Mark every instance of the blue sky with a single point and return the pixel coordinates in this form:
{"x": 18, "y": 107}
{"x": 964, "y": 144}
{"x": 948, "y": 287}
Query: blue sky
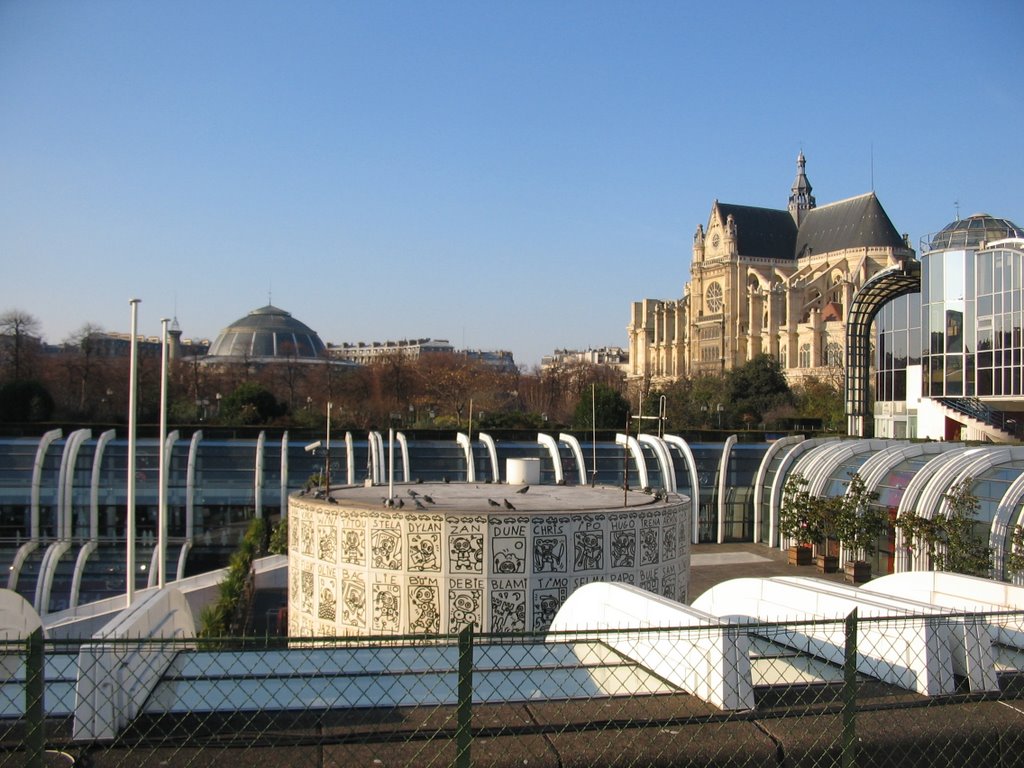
{"x": 502, "y": 175}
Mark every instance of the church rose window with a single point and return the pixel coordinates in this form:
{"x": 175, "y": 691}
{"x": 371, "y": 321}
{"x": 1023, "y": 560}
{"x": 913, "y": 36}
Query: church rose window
{"x": 713, "y": 298}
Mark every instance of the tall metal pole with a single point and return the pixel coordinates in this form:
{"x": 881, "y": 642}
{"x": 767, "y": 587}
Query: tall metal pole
{"x": 161, "y": 537}
{"x": 327, "y": 457}
{"x": 133, "y": 386}
{"x": 593, "y": 426}
{"x": 391, "y": 463}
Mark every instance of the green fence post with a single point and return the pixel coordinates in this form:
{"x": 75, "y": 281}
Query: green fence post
{"x": 464, "y": 714}
{"x": 849, "y": 758}
{"x": 35, "y": 711}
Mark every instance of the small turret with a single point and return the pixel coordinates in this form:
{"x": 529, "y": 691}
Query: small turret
{"x": 800, "y": 199}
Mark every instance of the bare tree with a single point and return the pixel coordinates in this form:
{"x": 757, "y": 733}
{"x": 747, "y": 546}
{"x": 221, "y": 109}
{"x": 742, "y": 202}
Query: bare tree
{"x": 80, "y": 361}
{"x": 22, "y": 332}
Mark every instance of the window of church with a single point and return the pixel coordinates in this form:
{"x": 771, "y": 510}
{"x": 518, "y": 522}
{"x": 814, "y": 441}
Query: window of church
{"x": 804, "y": 360}
{"x": 709, "y": 354}
{"x": 833, "y": 354}
{"x": 713, "y": 298}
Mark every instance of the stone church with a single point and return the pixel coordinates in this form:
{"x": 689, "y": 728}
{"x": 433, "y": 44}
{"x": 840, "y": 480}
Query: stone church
{"x": 765, "y": 280}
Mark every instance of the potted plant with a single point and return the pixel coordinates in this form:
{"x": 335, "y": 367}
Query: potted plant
{"x": 799, "y": 519}
{"x": 948, "y": 539}
{"x": 828, "y": 511}
{"x": 858, "y": 524}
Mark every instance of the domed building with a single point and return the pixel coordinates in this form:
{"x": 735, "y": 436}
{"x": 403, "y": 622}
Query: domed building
{"x": 950, "y": 360}
{"x": 972, "y": 232}
{"x": 267, "y": 335}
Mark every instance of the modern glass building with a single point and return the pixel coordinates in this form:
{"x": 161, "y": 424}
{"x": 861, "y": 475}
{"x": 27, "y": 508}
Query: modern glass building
{"x": 950, "y": 361}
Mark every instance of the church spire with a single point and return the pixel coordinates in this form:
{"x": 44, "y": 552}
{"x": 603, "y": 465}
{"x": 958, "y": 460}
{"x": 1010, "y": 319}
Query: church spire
{"x": 800, "y": 199}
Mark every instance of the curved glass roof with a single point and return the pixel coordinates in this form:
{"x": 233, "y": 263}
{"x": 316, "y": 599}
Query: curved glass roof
{"x": 972, "y": 231}
{"x": 268, "y": 332}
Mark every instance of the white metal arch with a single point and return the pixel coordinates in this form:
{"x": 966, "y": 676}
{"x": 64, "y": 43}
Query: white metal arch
{"x": 664, "y": 460}
{"x": 492, "y": 454}
{"x": 283, "y": 489}
{"x": 638, "y": 457}
{"x": 350, "y": 460}
{"x": 1008, "y": 516}
{"x": 762, "y": 470}
{"x": 979, "y": 463}
{"x": 257, "y": 484}
{"x": 66, "y": 482}
{"x": 92, "y": 537}
{"x": 65, "y": 504}
{"x": 723, "y": 470}
{"x": 403, "y": 448}
{"x": 989, "y": 458}
{"x": 691, "y": 468}
{"x": 94, "y": 484}
{"x": 37, "y": 479}
{"x": 785, "y": 467}
{"x": 874, "y": 470}
{"x": 549, "y": 442}
{"x": 375, "y": 445}
{"x": 577, "y": 452}
{"x": 920, "y": 496}
{"x": 845, "y": 450}
{"x": 467, "y": 449}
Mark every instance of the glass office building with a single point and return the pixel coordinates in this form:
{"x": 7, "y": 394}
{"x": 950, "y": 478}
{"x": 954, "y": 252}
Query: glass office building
{"x": 949, "y": 360}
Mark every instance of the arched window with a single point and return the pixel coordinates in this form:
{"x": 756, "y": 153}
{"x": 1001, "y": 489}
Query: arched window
{"x": 804, "y": 360}
{"x": 713, "y": 298}
{"x": 833, "y": 354}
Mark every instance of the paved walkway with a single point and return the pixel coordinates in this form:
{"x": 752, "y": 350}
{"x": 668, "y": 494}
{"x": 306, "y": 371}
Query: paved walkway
{"x": 713, "y": 563}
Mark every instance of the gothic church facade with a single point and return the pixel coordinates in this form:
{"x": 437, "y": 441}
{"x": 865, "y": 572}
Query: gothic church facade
{"x": 766, "y": 281}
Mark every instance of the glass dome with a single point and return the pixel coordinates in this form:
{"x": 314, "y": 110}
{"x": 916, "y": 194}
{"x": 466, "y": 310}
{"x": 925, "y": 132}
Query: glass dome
{"x": 268, "y": 332}
{"x": 972, "y": 231}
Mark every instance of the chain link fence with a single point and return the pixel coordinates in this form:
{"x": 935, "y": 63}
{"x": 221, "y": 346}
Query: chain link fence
{"x": 909, "y": 691}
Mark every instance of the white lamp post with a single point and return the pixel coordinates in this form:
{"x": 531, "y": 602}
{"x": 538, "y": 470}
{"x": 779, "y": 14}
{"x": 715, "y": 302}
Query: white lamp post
{"x": 133, "y": 382}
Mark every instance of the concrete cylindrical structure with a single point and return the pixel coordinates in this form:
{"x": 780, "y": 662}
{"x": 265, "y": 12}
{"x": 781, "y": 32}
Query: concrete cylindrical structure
{"x": 439, "y": 557}
{"x": 522, "y": 471}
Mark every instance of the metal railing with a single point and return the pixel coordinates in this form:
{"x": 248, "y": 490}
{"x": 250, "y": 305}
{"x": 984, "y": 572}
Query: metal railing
{"x": 910, "y": 691}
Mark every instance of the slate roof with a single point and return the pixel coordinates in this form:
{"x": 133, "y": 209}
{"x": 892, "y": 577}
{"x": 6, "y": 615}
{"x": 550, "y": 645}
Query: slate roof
{"x": 762, "y": 232}
{"x": 858, "y": 222}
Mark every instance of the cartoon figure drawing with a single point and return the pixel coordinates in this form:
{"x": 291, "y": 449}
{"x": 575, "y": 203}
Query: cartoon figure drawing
{"x": 352, "y": 547}
{"x": 545, "y": 607}
{"x": 648, "y": 546}
{"x": 386, "y": 548}
{"x": 507, "y": 562}
{"x": 385, "y": 610}
{"x": 668, "y": 539}
{"x": 354, "y": 605}
{"x": 427, "y": 616}
{"x": 589, "y": 551}
{"x": 464, "y": 608}
{"x": 548, "y": 554}
{"x": 506, "y": 615}
{"x": 465, "y": 557}
{"x": 328, "y": 608}
{"x": 423, "y": 555}
{"x": 328, "y": 544}
{"x": 623, "y": 549}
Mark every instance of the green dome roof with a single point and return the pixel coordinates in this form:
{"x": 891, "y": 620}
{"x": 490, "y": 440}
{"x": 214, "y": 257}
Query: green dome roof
{"x": 972, "y": 231}
{"x": 268, "y": 333}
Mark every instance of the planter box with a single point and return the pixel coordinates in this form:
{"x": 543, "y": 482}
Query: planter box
{"x": 857, "y": 572}
{"x": 827, "y": 563}
{"x": 800, "y": 556}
